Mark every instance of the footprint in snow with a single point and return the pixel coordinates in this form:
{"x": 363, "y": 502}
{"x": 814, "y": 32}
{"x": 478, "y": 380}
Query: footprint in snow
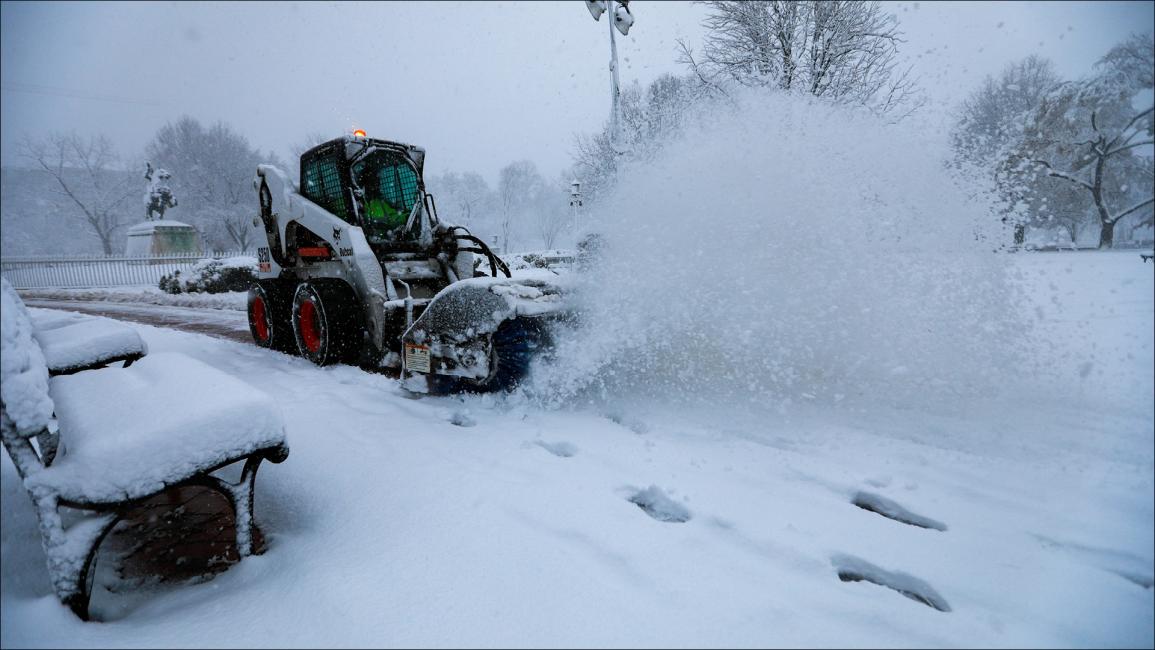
{"x": 461, "y": 419}
{"x": 854, "y": 569}
{"x": 655, "y": 503}
{"x": 891, "y": 510}
{"x": 559, "y": 449}
{"x": 633, "y": 424}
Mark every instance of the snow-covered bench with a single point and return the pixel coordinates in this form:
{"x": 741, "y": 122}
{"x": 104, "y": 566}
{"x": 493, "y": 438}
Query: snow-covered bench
{"x": 73, "y": 342}
{"x": 125, "y": 435}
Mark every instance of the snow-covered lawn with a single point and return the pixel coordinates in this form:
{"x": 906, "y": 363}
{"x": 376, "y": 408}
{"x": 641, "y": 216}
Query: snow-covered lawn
{"x": 483, "y": 521}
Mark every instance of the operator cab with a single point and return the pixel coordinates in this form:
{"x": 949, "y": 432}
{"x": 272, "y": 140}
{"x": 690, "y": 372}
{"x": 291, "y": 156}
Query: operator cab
{"x": 371, "y": 183}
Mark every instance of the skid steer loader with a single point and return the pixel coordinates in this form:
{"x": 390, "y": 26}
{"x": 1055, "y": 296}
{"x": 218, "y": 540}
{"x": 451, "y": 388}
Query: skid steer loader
{"x": 355, "y": 267}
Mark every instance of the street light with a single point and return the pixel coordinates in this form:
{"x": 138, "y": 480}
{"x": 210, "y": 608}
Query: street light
{"x": 622, "y": 21}
{"x": 575, "y": 200}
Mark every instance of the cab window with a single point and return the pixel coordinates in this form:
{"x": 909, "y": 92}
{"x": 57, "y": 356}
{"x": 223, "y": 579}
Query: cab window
{"x": 390, "y": 190}
{"x": 321, "y": 178}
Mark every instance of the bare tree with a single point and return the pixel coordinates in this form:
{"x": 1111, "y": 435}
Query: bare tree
{"x": 552, "y": 210}
{"x": 844, "y": 50}
{"x": 230, "y": 225}
{"x": 518, "y": 183}
{"x": 1092, "y": 125}
{"x": 463, "y": 199}
{"x": 550, "y": 224}
{"x": 84, "y": 172}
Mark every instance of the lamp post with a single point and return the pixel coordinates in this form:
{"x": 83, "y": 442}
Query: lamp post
{"x": 622, "y": 20}
{"x": 575, "y": 200}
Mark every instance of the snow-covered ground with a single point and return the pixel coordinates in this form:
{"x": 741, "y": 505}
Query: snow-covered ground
{"x": 233, "y": 300}
{"x": 486, "y": 521}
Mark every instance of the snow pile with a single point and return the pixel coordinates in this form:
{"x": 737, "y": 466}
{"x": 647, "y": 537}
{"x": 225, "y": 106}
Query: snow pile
{"x": 786, "y": 250}
{"x": 23, "y": 374}
{"x": 233, "y": 300}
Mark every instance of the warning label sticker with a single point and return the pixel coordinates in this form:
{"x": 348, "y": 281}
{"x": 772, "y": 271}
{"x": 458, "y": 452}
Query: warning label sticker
{"x": 417, "y": 357}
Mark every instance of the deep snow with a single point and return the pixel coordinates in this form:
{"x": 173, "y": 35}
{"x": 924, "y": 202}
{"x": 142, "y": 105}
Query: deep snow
{"x": 484, "y": 521}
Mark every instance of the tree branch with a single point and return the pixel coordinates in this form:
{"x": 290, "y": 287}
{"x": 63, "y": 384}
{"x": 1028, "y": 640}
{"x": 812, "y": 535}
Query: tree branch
{"x": 1138, "y": 206}
{"x": 1128, "y": 146}
{"x": 1051, "y": 171}
{"x": 1130, "y": 124}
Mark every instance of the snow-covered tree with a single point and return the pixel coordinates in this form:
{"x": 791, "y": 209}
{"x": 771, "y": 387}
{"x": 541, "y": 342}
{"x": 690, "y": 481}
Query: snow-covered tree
{"x": 1087, "y": 133}
{"x": 649, "y": 119}
{"x": 843, "y": 50}
{"x": 991, "y": 125}
{"x": 87, "y": 183}
{"x": 464, "y": 199}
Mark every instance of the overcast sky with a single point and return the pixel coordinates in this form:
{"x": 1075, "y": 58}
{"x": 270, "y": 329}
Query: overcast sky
{"x": 479, "y": 84}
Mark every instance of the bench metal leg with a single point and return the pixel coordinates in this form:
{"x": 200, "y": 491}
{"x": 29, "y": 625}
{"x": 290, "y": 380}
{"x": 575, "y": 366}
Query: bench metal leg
{"x": 71, "y": 552}
{"x": 240, "y": 494}
{"x": 72, "y": 571}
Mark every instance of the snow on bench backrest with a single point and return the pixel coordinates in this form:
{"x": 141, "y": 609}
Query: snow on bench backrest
{"x": 27, "y": 408}
{"x": 85, "y": 341}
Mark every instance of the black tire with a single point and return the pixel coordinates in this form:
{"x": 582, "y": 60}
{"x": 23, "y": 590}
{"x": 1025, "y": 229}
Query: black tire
{"x": 515, "y": 344}
{"x": 326, "y": 320}
{"x": 269, "y": 310}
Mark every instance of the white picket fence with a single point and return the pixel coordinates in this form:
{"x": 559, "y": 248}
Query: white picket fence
{"x": 93, "y": 271}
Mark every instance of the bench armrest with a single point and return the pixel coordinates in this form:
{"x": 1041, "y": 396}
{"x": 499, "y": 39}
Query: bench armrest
{"x": 56, "y": 371}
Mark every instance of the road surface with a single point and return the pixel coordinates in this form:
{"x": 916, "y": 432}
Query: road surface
{"x": 219, "y": 323}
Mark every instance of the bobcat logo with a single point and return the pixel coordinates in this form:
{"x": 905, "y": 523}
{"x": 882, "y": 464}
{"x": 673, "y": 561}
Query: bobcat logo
{"x": 337, "y": 235}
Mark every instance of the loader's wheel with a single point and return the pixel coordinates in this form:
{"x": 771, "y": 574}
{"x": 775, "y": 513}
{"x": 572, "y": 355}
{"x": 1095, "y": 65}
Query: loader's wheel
{"x": 515, "y": 343}
{"x": 326, "y": 322}
{"x": 269, "y": 317}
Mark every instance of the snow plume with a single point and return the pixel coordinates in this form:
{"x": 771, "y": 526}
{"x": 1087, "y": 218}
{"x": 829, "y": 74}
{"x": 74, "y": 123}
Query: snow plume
{"x": 782, "y": 250}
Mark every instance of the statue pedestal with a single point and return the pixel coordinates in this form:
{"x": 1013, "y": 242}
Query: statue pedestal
{"x": 163, "y": 237}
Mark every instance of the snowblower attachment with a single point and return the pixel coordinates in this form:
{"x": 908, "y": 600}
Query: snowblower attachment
{"x": 485, "y": 331}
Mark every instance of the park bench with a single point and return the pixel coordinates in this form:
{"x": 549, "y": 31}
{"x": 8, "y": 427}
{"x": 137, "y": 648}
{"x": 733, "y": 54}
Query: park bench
{"x": 125, "y": 435}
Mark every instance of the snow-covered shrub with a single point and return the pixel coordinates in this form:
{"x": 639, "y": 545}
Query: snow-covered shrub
{"x": 212, "y": 276}
{"x": 545, "y": 259}
{"x": 784, "y": 249}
